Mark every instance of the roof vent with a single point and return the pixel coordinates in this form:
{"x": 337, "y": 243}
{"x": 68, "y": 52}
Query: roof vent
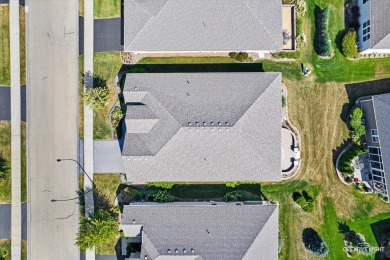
{"x": 212, "y": 129}
{"x": 219, "y": 129}
{"x": 204, "y": 123}
{"x": 133, "y": 221}
{"x": 177, "y": 251}
{"x": 135, "y": 88}
{"x": 197, "y": 129}
{"x": 219, "y": 123}
{"x": 227, "y": 129}
{"x": 169, "y": 251}
{"x": 184, "y": 251}
{"x": 196, "y": 123}
{"x": 205, "y": 129}
{"x": 145, "y": 257}
{"x": 189, "y": 123}
{"x": 192, "y": 250}
{"x": 212, "y": 123}
{"x": 189, "y": 129}
{"x": 214, "y": 204}
{"x": 226, "y": 123}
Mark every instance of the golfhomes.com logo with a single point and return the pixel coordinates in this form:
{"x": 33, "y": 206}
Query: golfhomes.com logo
{"x": 363, "y": 248}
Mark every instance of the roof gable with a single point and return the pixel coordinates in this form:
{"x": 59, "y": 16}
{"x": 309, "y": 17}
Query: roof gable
{"x": 203, "y": 25}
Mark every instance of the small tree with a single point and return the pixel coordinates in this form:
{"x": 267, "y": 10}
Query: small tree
{"x": 117, "y": 113}
{"x": 356, "y": 123}
{"x": 97, "y": 230}
{"x": 314, "y": 243}
{"x": 348, "y": 45}
{"x": 96, "y": 98}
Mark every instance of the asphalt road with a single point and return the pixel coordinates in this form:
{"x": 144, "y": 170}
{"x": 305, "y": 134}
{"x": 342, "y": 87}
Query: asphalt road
{"x": 5, "y": 221}
{"x": 5, "y": 103}
{"x": 52, "y": 80}
{"x": 21, "y": 2}
{"x": 107, "y": 35}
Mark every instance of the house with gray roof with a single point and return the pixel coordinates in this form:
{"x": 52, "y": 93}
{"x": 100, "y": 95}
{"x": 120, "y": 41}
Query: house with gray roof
{"x": 173, "y": 26}
{"x": 202, "y": 127}
{"x": 201, "y": 231}
{"x": 374, "y": 31}
{"x": 377, "y": 120}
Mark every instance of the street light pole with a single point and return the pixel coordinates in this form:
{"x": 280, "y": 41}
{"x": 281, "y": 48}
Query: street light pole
{"x": 93, "y": 184}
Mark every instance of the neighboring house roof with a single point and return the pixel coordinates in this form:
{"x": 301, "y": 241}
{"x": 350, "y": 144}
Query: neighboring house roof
{"x": 380, "y": 24}
{"x": 382, "y": 117}
{"x": 207, "y": 127}
{"x": 202, "y": 25}
{"x": 240, "y": 232}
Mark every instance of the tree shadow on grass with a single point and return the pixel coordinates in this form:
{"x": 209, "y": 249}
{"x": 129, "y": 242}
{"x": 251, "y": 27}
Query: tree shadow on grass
{"x": 4, "y": 167}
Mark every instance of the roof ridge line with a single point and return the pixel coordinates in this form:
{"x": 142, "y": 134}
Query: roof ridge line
{"x": 150, "y": 18}
{"x": 258, "y": 20}
{"x": 262, "y": 227}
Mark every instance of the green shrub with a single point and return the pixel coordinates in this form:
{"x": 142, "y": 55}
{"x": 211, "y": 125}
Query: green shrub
{"x": 304, "y": 200}
{"x": 348, "y": 45}
{"x": 162, "y": 196}
{"x": 234, "y": 196}
{"x": 96, "y": 98}
{"x": 129, "y": 194}
{"x": 356, "y": 124}
{"x": 239, "y": 56}
{"x": 231, "y": 184}
{"x": 323, "y": 47}
{"x": 345, "y": 160}
{"x": 164, "y": 185}
{"x": 314, "y": 243}
{"x": 283, "y": 101}
{"x": 117, "y": 113}
{"x": 357, "y": 241}
{"x": 287, "y": 54}
{"x": 300, "y": 7}
{"x": 97, "y": 230}
{"x": 4, "y": 167}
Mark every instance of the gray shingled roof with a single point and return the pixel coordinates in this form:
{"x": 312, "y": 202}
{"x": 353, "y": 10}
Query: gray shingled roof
{"x": 202, "y": 25}
{"x": 218, "y": 232}
{"x": 380, "y": 24}
{"x": 241, "y": 140}
{"x": 382, "y": 116}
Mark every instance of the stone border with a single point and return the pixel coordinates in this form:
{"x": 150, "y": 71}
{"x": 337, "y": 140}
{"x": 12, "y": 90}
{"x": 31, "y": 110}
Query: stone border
{"x": 337, "y": 164}
{"x": 295, "y": 132}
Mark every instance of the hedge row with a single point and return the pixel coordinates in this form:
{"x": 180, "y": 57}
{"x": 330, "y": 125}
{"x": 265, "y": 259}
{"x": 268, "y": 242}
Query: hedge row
{"x": 345, "y": 160}
{"x": 322, "y": 41}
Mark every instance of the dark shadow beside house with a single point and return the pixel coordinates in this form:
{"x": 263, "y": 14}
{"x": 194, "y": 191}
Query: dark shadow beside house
{"x": 367, "y": 88}
{"x": 210, "y": 67}
{"x": 381, "y": 230}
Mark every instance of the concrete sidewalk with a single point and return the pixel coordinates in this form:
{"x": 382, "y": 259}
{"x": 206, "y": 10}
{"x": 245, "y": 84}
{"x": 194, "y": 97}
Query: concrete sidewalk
{"x": 16, "y": 209}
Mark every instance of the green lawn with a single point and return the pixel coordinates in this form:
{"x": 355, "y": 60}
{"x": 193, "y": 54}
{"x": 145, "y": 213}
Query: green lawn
{"x": 106, "y": 8}
{"x": 5, "y": 152}
{"x": 5, "y": 74}
{"x": 106, "y": 65}
{"x": 5, "y": 245}
{"x": 107, "y": 184}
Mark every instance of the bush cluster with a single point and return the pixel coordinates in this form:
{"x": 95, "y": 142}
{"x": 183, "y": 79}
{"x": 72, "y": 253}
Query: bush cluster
{"x": 164, "y": 185}
{"x": 117, "y": 113}
{"x": 300, "y": 7}
{"x": 345, "y": 161}
{"x": 357, "y": 241}
{"x": 239, "y": 56}
{"x": 234, "y": 196}
{"x": 96, "y": 98}
{"x": 323, "y": 47}
{"x": 356, "y": 123}
{"x": 304, "y": 200}
{"x": 314, "y": 243}
{"x": 348, "y": 44}
{"x": 161, "y": 196}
